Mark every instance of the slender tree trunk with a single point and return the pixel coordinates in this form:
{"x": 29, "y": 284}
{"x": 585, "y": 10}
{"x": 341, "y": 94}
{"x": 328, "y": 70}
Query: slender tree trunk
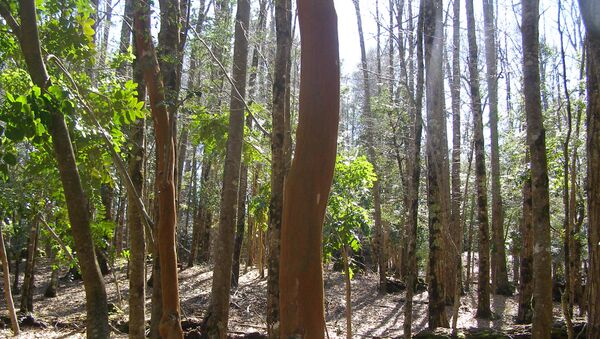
{"x": 438, "y": 176}
{"x": 588, "y": 11}
{"x": 348, "y": 292}
{"x": 199, "y": 219}
{"x": 7, "y": 291}
{"x": 525, "y": 311}
{"x": 281, "y": 106}
{"x": 77, "y": 204}
{"x": 371, "y": 154}
{"x": 455, "y": 215}
{"x": 137, "y": 264}
{"x": 414, "y": 179}
{"x": 499, "y": 272}
{"x": 170, "y": 325}
{"x": 542, "y": 261}
{"x": 218, "y": 314}
{"x": 307, "y": 186}
{"x": 27, "y": 292}
{"x": 483, "y": 288}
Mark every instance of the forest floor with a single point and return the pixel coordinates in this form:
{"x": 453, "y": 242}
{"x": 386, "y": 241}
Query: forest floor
{"x": 374, "y": 315}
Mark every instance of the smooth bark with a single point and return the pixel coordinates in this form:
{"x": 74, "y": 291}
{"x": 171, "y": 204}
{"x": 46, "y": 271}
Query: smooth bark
{"x": 309, "y": 180}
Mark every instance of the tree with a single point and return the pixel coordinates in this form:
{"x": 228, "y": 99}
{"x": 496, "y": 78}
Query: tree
{"x": 170, "y": 325}
{"x": 588, "y": 10}
{"x": 483, "y": 288}
{"x": 281, "y": 108}
{"x": 536, "y": 140}
{"x": 6, "y": 281}
{"x": 346, "y": 217}
{"x": 414, "y": 172}
{"x": 524, "y": 313}
{"x": 499, "y": 271}
{"x": 307, "y": 186}
{"x": 455, "y": 215}
{"x": 438, "y": 176}
{"x": 371, "y": 154}
{"x": 218, "y": 314}
{"x": 77, "y": 204}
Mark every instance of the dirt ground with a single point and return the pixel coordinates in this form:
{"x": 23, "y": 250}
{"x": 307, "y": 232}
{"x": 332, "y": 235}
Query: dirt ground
{"x": 374, "y": 315}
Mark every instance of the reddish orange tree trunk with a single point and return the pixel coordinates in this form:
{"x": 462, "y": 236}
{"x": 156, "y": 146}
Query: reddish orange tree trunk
{"x": 170, "y": 326}
{"x": 309, "y": 180}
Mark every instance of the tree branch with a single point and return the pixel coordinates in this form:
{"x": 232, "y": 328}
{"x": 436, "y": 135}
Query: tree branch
{"x": 10, "y": 20}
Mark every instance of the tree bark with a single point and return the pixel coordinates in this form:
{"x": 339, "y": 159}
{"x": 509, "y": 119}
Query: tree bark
{"x": 7, "y": 291}
{"x": 414, "y": 178}
{"x": 309, "y": 179}
{"x": 524, "y": 313}
{"x": 592, "y": 24}
{"x": 542, "y": 260}
{"x": 218, "y": 314}
{"x": 27, "y": 292}
{"x": 438, "y": 176}
{"x": 483, "y": 288}
{"x": 77, "y": 204}
{"x": 499, "y": 271}
{"x": 455, "y": 213}
{"x": 170, "y": 325}
{"x": 137, "y": 265}
{"x": 281, "y": 107}
{"x": 372, "y": 155}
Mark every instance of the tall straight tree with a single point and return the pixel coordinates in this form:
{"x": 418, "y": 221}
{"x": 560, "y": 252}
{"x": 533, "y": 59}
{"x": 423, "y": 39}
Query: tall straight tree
{"x": 456, "y": 228}
{"x": 499, "y": 271}
{"x": 170, "y": 325}
{"x": 309, "y": 180}
{"x": 218, "y": 313}
{"x": 483, "y": 288}
{"x": 281, "y": 104}
{"x": 414, "y": 181}
{"x": 438, "y": 176}
{"x": 589, "y": 10}
{"x": 77, "y": 203}
{"x": 137, "y": 236}
{"x": 540, "y": 200}
{"x": 371, "y": 153}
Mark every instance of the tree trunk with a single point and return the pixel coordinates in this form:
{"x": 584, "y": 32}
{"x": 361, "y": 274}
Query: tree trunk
{"x": 371, "y": 154}
{"x": 170, "y": 325}
{"x": 348, "y": 292}
{"x": 199, "y": 219}
{"x": 281, "y": 107}
{"x": 7, "y": 291}
{"x": 524, "y": 313}
{"x": 307, "y": 186}
{"x": 483, "y": 288}
{"x": 137, "y": 264}
{"x": 456, "y": 228}
{"x": 414, "y": 178}
{"x": 499, "y": 272}
{"x": 28, "y": 285}
{"x": 77, "y": 204}
{"x": 438, "y": 176}
{"x": 218, "y": 313}
{"x": 588, "y": 8}
{"x": 542, "y": 261}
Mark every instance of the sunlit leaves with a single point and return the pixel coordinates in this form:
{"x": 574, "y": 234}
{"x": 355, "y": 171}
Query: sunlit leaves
{"x": 347, "y": 218}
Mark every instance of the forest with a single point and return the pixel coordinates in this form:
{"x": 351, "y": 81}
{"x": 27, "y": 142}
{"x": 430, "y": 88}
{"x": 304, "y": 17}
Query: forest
{"x": 300, "y": 169}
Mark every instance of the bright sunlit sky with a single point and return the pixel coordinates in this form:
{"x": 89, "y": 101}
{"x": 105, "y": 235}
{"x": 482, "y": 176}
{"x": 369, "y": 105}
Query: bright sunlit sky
{"x": 348, "y": 30}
